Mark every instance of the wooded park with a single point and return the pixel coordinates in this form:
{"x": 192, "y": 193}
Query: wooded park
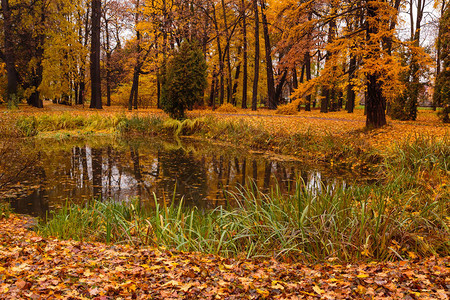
{"x": 224, "y": 149}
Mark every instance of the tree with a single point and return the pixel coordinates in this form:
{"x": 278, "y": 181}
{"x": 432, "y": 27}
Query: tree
{"x": 185, "y": 80}
{"x": 256, "y": 68}
{"x": 8, "y": 56}
{"x": 96, "y": 92}
{"x": 442, "y": 88}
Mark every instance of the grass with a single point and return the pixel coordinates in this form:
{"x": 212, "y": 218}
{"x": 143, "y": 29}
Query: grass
{"x": 5, "y": 210}
{"x": 394, "y": 219}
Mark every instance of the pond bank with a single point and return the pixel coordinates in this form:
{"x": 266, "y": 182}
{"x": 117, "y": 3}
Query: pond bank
{"x": 32, "y": 267}
{"x": 404, "y": 215}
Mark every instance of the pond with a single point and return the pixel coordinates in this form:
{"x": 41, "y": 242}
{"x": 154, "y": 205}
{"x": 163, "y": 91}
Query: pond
{"x": 203, "y": 173}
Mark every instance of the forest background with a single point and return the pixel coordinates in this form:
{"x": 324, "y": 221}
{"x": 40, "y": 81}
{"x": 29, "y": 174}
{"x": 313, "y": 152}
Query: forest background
{"x": 389, "y": 55}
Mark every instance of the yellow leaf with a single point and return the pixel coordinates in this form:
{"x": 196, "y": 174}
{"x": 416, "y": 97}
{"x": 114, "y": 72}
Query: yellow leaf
{"x": 277, "y": 285}
{"x": 264, "y": 293}
{"x": 362, "y": 275}
{"x": 318, "y": 290}
{"x": 171, "y": 283}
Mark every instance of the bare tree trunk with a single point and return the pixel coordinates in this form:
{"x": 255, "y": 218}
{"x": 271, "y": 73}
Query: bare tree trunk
{"x": 256, "y": 74}
{"x": 375, "y": 102}
{"x": 245, "y": 75}
{"x": 308, "y": 78}
{"x": 9, "y": 57}
{"x": 269, "y": 67}
{"x": 350, "y": 92}
{"x": 134, "y": 93}
{"x": 108, "y": 66}
{"x": 415, "y": 36}
{"x": 229, "y": 80}
{"x": 96, "y": 92}
{"x": 236, "y": 79}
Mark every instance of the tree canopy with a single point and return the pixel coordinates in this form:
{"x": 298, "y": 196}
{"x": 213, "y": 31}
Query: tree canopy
{"x": 327, "y": 54}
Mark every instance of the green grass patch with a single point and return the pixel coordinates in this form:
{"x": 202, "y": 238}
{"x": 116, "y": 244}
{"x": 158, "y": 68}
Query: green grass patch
{"x": 5, "y": 210}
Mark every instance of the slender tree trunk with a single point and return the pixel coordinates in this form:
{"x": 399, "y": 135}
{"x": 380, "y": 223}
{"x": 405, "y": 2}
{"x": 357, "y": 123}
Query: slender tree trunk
{"x": 96, "y": 92}
{"x": 108, "y": 66}
{"x": 350, "y": 92}
{"x": 280, "y": 85}
{"x": 229, "y": 80}
{"x": 134, "y": 93}
{"x": 328, "y": 92}
{"x": 256, "y": 74}
{"x": 221, "y": 65}
{"x": 245, "y": 62}
{"x": 269, "y": 66}
{"x": 415, "y": 84}
{"x": 37, "y": 71}
{"x": 236, "y": 80}
{"x": 294, "y": 77}
{"x": 13, "y": 78}
{"x": 308, "y": 78}
{"x": 81, "y": 81}
{"x": 213, "y": 86}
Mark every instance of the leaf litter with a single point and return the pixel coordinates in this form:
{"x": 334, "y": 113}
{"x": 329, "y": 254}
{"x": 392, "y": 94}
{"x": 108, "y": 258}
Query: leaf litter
{"x": 36, "y": 268}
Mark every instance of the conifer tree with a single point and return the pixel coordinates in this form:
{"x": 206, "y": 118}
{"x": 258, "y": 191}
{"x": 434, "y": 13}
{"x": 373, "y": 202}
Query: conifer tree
{"x": 185, "y": 80}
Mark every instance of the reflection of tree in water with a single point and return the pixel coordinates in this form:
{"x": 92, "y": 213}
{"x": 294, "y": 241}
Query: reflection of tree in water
{"x": 97, "y": 168}
{"x": 36, "y": 203}
{"x": 184, "y": 171}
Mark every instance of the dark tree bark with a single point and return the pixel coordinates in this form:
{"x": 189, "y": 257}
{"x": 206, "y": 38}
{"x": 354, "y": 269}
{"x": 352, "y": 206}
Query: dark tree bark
{"x": 280, "y": 85}
{"x": 236, "y": 79}
{"x": 269, "y": 67}
{"x": 350, "y": 92}
{"x": 415, "y": 37}
{"x": 134, "y": 93}
{"x": 256, "y": 74}
{"x": 294, "y": 77}
{"x": 375, "y": 102}
{"x": 229, "y": 80}
{"x": 8, "y": 55}
{"x": 308, "y": 78}
{"x": 221, "y": 65}
{"x": 108, "y": 65}
{"x": 212, "y": 96}
{"x": 96, "y": 92}
{"x": 245, "y": 58}
{"x": 327, "y": 92}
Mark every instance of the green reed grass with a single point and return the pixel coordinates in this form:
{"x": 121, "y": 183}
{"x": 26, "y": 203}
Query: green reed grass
{"x": 5, "y": 210}
{"x": 371, "y": 222}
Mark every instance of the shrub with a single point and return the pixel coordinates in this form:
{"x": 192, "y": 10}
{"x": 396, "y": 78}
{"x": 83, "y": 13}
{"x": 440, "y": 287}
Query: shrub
{"x": 288, "y": 109}
{"x": 227, "y": 107}
{"x": 184, "y": 81}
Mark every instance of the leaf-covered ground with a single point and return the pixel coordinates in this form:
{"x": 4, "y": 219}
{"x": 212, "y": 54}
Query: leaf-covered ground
{"x": 35, "y": 268}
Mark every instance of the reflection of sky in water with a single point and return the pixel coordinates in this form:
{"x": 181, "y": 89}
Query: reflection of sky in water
{"x": 200, "y": 176}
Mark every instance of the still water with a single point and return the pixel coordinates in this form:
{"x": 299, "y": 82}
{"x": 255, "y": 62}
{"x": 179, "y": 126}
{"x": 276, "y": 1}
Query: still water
{"x": 78, "y": 170}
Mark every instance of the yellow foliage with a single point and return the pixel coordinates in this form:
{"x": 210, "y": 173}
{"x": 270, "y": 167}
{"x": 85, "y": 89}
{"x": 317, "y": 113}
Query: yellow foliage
{"x": 288, "y": 109}
{"x": 227, "y": 107}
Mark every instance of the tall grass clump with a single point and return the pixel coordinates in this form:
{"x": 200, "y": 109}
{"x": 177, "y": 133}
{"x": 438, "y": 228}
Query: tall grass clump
{"x": 185, "y": 127}
{"x": 32, "y": 125}
{"x": 149, "y": 125}
{"x": 109, "y": 221}
{"x": 5, "y": 210}
{"x": 371, "y": 222}
{"x": 27, "y": 126}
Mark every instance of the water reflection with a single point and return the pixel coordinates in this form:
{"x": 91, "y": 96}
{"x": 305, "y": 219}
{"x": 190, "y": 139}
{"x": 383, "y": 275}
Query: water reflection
{"x": 201, "y": 173}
